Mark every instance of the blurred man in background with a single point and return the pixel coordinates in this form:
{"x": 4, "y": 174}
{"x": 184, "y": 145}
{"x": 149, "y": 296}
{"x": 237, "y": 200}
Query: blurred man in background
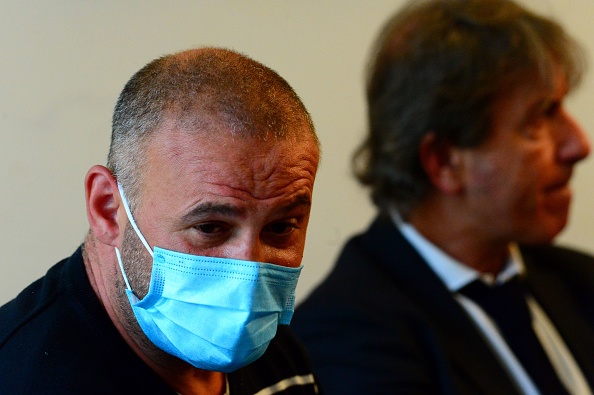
{"x": 456, "y": 287}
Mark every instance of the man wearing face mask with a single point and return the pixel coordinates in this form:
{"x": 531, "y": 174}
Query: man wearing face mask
{"x": 186, "y": 279}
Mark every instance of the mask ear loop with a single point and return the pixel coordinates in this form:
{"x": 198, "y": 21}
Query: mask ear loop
{"x": 140, "y": 236}
{"x": 131, "y": 219}
{"x": 122, "y": 269}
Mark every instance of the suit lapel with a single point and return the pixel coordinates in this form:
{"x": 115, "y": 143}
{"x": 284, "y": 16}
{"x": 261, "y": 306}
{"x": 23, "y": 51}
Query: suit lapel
{"x": 467, "y": 352}
{"x": 558, "y": 295}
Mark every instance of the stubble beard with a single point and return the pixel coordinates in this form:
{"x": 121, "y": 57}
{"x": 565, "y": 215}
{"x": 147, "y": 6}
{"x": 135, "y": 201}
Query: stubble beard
{"x": 137, "y": 266}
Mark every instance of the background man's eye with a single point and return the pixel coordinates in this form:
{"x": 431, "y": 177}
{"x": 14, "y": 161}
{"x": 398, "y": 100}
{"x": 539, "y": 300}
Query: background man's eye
{"x": 552, "y": 109}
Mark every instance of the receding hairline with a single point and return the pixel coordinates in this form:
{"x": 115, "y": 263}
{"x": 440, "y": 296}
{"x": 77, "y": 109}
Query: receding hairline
{"x": 203, "y": 89}
{"x": 254, "y": 99}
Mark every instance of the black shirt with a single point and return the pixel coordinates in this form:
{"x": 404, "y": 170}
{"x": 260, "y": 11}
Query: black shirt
{"x": 56, "y": 338}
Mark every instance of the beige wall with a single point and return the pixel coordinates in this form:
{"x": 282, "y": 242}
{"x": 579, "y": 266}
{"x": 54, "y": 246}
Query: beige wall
{"x": 63, "y": 64}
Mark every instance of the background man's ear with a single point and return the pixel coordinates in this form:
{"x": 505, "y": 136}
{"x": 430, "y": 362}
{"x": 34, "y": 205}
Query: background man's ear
{"x": 442, "y": 163}
{"x": 103, "y": 202}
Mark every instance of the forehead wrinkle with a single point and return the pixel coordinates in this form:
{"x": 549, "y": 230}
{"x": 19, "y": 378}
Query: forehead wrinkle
{"x": 292, "y": 175}
{"x": 263, "y": 179}
{"x": 300, "y": 198}
{"x": 260, "y": 170}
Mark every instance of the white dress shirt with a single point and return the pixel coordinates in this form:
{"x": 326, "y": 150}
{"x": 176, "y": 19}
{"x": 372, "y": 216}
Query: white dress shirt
{"x": 456, "y": 275}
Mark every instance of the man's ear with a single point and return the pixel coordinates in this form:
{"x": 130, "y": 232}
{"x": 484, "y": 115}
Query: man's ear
{"x": 103, "y": 202}
{"x": 442, "y": 163}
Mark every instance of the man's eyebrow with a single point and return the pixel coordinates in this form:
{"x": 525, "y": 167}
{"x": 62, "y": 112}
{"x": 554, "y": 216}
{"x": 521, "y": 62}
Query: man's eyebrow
{"x": 299, "y": 200}
{"x": 206, "y": 209}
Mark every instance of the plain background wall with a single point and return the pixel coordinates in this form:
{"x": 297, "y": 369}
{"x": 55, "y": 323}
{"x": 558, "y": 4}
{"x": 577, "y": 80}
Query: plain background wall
{"x": 64, "y": 62}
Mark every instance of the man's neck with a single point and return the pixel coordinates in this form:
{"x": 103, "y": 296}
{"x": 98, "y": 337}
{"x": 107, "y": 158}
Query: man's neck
{"x": 459, "y": 240}
{"x": 192, "y": 381}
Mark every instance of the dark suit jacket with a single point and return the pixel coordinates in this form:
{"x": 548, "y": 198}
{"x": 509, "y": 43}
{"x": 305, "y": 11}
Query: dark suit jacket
{"x": 384, "y": 323}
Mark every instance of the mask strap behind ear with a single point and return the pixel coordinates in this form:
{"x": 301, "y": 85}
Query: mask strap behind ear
{"x": 122, "y": 268}
{"x": 131, "y": 219}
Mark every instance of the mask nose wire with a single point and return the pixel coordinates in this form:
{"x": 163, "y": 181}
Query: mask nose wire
{"x": 138, "y": 233}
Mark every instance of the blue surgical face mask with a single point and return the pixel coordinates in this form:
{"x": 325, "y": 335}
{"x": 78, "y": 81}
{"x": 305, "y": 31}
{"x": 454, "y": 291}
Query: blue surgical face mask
{"x": 217, "y": 314}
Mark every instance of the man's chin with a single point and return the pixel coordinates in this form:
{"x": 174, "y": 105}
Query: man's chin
{"x": 556, "y": 201}
{"x": 545, "y": 231}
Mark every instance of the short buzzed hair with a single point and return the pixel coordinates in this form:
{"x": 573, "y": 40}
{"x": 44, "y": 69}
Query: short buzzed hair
{"x": 196, "y": 90}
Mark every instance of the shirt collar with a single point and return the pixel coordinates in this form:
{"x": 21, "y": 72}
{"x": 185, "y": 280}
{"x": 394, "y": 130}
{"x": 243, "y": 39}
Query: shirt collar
{"x": 452, "y": 272}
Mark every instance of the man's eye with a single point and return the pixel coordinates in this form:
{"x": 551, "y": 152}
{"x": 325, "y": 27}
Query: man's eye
{"x": 552, "y": 109}
{"x": 208, "y": 228}
{"x": 281, "y": 228}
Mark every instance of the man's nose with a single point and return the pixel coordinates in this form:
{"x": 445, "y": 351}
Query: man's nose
{"x": 574, "y": 144}
{"x": 251, "y": 249}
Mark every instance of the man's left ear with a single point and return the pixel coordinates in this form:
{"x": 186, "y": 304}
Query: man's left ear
{"x": 442, "y": 163}
{"x": 103, "y": 202}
